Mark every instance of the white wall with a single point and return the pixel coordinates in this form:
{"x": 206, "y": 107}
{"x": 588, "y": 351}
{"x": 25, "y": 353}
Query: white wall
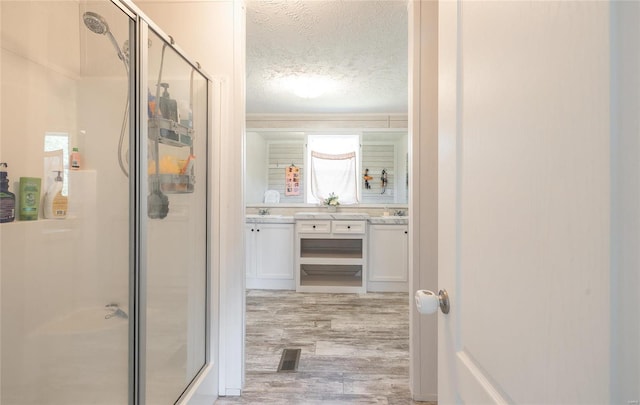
{"x": 625, "y": 158}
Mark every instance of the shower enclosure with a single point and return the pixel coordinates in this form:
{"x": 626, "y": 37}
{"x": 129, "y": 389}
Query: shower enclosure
{"x": 110, "y": 304}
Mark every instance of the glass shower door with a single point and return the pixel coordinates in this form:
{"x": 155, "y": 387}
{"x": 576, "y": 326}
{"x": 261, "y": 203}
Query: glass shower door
{"x": 176, "y": 223}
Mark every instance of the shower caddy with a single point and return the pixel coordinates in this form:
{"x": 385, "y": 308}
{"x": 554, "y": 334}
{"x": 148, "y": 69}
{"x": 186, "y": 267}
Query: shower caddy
{"x": 172, "y": 133}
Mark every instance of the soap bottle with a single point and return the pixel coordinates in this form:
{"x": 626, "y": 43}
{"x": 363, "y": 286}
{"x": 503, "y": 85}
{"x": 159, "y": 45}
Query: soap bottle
{"x": 55, "y": 204}
{"x": 7, "y": 199}
{"x": 151, "y": 104}
{"x": 74, "y": 159}
{"x": 168, "y": 106}
{"x": 29, "y": 198}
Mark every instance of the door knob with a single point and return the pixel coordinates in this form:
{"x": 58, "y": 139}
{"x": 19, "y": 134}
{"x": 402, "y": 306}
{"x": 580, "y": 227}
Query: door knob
{"x": 428, "y": 302}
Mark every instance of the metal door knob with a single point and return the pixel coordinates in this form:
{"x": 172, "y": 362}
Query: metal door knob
{"x": 428, "y": 302}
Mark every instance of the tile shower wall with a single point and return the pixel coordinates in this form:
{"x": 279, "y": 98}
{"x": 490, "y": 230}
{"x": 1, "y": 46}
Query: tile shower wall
{"x": 53, "y": 270}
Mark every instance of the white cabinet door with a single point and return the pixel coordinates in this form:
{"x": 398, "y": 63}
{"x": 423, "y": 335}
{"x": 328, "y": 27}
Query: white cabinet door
{"x": 250, "y": 249}
{"x": 274, "y": 253}
{"x": 388, "y": 269}
{"x": 269, "y": 256}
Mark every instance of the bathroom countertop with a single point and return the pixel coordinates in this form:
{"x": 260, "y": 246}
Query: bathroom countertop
{"x": 389, "y": 220}
{"x": 269, "y": 219}
{"x": 331, "y": 215}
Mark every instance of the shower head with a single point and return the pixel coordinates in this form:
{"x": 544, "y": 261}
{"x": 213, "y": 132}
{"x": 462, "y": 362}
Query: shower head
{"x": 95, "y": 23}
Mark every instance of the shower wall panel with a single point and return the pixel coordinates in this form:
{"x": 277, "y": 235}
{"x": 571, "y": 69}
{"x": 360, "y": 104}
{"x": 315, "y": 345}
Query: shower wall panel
{"x": 55, "y": 334}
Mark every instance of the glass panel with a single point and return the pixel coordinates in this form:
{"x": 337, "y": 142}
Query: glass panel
{"x": 177, "y": 223}
{"x": 65, "y": 272}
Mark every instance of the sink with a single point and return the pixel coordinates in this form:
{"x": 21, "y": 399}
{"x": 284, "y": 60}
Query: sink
{"x": 263, "y": 216}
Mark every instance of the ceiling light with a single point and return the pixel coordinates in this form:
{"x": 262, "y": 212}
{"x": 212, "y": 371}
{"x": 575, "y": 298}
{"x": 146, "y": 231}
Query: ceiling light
{"x": 307, "y": 86}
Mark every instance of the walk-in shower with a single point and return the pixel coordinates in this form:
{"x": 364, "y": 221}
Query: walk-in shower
{"x": 107, "y": 306}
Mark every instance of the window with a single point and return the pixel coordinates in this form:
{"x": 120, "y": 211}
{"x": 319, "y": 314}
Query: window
{"x": 332, "y": 162}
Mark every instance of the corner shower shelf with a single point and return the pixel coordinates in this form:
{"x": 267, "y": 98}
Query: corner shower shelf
{"x": 170, "y": 132}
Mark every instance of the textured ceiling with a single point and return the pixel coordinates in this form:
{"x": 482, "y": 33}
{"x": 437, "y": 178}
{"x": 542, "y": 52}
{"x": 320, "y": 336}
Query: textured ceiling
{"x": 360, "y": 44}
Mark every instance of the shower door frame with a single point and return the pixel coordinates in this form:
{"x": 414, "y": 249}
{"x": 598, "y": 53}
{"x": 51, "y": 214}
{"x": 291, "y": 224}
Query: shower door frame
{"x": 138, "y": 191}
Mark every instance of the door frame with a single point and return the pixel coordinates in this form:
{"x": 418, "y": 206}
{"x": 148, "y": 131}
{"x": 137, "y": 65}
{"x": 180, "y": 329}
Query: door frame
{"x": 423, "y": 225}
{"x": 423, "y": 193}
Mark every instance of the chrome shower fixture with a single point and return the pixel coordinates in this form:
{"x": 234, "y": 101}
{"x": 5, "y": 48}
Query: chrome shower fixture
{"x": 96, "y": 23}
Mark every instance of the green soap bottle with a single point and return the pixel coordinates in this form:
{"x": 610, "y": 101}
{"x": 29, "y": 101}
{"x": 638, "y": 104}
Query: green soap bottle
{"x": 29, "y": 198}
{"x": 7, "y": 198}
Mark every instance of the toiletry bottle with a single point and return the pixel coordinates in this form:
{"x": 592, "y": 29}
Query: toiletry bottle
{"x": 7, "y": 198}
{"x": 74, "y": 159}
{"x": 168, "y": 106}
{"x": 29, "y": 198}
{"x": 55, "y": 204}
{"x": 151, "y": 104}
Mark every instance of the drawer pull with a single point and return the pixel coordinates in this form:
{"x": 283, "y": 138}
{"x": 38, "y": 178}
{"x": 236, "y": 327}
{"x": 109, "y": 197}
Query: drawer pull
{"x": 314, "y": 227}
{"x": 348, "y": 226}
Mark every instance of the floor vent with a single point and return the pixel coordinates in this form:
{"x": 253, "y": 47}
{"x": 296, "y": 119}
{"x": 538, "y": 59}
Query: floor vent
{"x": 289, "y": 360}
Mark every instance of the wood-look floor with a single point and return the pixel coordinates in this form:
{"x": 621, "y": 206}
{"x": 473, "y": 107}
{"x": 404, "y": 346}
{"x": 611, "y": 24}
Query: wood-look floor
{"x": 355, "y": 348}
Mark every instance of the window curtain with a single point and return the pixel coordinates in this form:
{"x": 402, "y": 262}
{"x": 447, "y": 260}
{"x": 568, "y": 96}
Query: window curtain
{"x": 334, "y": 174}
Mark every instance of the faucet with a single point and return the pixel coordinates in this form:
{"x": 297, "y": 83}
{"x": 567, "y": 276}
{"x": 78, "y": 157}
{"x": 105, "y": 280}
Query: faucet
{"x": 263, "y": 211}
{"x": 399, "y": 213}
{"x": 116, "y": 311}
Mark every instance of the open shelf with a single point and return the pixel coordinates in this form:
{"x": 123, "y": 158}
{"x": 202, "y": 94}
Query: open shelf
{"x": 331, "y": 248}
{"x": 331, "y": 257}
{"x": 170, "y": 132}
{"x": 330, "y": 275}
{"x": 173, "y": 183}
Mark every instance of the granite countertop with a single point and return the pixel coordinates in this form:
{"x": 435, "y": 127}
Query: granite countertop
{"x": 389, "y": 220}
{"x": 332, "y": 215}
{"x": 288, "y": 219}
{"x": 270, "y": 219}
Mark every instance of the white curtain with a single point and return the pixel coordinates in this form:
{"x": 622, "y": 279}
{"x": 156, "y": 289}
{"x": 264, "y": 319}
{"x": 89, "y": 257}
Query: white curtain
{"x": 334, "y": 174}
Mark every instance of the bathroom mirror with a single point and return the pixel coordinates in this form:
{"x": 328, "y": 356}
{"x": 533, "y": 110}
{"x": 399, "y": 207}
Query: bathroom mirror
{"x": 270, "y": 154}
{"x": 317, "y": 68}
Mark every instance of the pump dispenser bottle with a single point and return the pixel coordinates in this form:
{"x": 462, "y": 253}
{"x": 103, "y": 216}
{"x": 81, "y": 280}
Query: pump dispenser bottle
{"x": 7, "y": 199}
{"x": 55, "y": 204}
{"x": 75, "y": 159}
{"x": 168, "y": 106}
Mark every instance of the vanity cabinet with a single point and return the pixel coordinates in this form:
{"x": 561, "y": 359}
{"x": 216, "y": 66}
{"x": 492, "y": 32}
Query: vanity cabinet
{"x": 269, "y": 256}
{"x": 331, "y": 256}
{"x": 388, "y": 258}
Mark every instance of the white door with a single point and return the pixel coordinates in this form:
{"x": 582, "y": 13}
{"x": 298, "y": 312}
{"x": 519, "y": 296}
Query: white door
{"x": 524, "y": 206}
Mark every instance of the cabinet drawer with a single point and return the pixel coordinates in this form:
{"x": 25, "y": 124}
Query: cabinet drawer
{"x": 357, "y": 227}
{"x": 314, "y": 226}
